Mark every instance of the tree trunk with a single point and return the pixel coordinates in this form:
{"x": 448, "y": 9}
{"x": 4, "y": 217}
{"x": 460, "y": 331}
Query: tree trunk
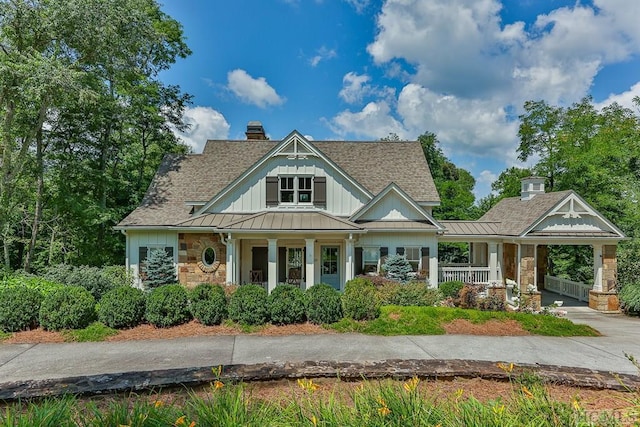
{"x": 39, "y": 195}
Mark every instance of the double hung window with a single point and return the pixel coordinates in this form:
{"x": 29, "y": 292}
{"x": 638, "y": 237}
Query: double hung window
{"x": 296, "y": 189}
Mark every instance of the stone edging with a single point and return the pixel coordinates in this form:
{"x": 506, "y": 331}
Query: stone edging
{"x": 394, "y": 368}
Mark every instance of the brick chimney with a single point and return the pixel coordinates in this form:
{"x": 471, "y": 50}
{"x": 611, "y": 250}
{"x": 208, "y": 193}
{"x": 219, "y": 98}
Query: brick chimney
{"x": 255, "y": 131}
{"x": 531, "y": 186}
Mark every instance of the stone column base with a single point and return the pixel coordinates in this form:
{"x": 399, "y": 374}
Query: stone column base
{"x": 606, "y": 302}
{"x": 498, "y": 291}
{"x": 531, "y": 300}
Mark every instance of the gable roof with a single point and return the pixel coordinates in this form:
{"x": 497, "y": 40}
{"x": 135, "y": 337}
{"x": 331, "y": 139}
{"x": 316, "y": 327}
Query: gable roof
{"x": 200, "y": 177}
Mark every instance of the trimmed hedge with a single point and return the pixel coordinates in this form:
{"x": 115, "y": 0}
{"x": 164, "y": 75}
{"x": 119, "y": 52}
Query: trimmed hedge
{"x": 248, "y": 305}
{"x": 360, "y": 300}
{"x": 168, "y": 305}
{"x": 287, "y": 305}
{"x": 122, "y": 307}
{"x": 19, "y": 308}
{"x": 324, "y": 304}
{"x": 209, "y": 304}
{"x": 70, "y": 307}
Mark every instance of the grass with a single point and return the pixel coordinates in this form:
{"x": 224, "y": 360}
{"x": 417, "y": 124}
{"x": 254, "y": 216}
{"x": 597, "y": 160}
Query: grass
{"x": 5, "y": 335}
{"x": 396, "y": 320}
{"x": 96, "y": 331}
{"x": 380, "y": 403}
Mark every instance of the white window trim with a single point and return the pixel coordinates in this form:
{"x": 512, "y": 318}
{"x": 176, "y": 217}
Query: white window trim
{"x": 296, "y": 190}
{"x": 366, "y": 262}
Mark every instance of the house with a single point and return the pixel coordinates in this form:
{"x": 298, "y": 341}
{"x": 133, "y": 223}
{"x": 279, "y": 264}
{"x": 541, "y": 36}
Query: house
{"x": 303, "y": 211}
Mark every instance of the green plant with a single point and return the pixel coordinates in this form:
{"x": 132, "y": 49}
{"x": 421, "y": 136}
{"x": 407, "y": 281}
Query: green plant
{"x": 209, "y": 304}
{"x": 416, "y": 293}
{"x": 122, "y": 307}
{"x": 96, "y": 280}
{"x": 397, "y": 268}
{"x": 96, "y": 331}
{"x": 324, "y": 304}
{"x": 167, "y": 305}
{"x": 629, "y": 297}
{"x": 159, "y": 269}
{"x": 248, "y": 304}
{"x": 492, "y": 303}
{"x": 287, "y": 305}
{"x": 19, "y": 308}
{"x": 360, "y": 300}
{"x": 469, "y": 296}
{"x": 451, "y": 289}
{"x": 70, "y": 307}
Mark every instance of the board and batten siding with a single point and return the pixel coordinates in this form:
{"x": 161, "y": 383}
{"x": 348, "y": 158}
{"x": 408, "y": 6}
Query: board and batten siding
{"x": 342, "y": 197}
{"x": 392, "y": 207}
{"x": 150, "y": 239}
{"x": 584, "y": 223}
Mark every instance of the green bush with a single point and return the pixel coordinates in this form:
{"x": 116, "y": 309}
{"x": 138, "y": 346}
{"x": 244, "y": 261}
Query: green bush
{"x": 70, "y": 307}
{"x": 160, "y": 269}
{"x": 397, "y": 268}
{"x": 168, "y": 305}
{"x": 209, "y": 304}
{"x": 19, "y": 308}
{"x": 360, "y": 300}
{"x": 248, "y": 305}
{"x": 492, "y": 303}
{"x": 287, "y": 305}
{"x": 451, "y": 289}
{"x": 324, "y": 304}
{"x": 416, "y": 294}
{"x": 387, "y": 291}
{"x": 32, "y": 282}
{"x": 122, "y": 307}
{"x": 630, "y": 298}
{"x": 96, "y": 280}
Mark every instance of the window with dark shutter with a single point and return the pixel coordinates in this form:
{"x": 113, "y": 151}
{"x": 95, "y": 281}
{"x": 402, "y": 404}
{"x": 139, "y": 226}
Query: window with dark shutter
{"x": 400, "y": 251}
{"x": 142, "y": 254}
{"x": 169, "y": 250}
{"x": 358, "y": 261}
{"x": 272, "y": 191}
{"x": 320, "y": 191}
{"x": 384, "y": 251}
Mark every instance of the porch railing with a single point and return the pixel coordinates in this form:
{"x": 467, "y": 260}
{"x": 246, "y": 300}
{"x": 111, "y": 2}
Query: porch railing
{"x": 577, "y": 290}
{"x": 466, "y": 274}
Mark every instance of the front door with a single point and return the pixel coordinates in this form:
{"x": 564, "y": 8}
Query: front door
{"x": 330, "y": 267}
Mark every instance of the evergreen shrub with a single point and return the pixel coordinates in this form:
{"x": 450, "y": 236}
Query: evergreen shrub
{"x": 287, "y": 305}
{"x": 122, "y": 307}
{"x": 167, "y": 305}
{"x": 324, "y": 304}
{"x": 96, "y": 280}
{"x": 360, "y": 300}
{"x": 209, "y": 304}
{"x": 248, "y": 305}
{"x": 159, "y": 269}
{"x": 451, "y": 289}
{"x": 630, "y": 298}
{"x": 416, "y": 294}
{"x": 70, "y": 307}
{"x": 19, "y": 308}
{"x": 397, "y": 268}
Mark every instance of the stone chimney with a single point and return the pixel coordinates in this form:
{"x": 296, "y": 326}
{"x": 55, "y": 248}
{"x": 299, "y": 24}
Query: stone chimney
{"x": 255, "y": 131}
{"x": 531, "y": 186}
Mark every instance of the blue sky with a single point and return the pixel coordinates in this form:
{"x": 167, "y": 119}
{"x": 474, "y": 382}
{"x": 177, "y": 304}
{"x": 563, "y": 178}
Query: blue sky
{"x": 361, "y": 69}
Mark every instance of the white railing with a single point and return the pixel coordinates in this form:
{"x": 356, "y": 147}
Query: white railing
{"x": 577, "y": 290}
{"x": 466, "y": 274}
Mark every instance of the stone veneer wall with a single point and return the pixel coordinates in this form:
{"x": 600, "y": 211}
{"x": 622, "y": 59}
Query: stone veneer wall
{"x": 609, "y": 268}
{"x": 191, "y": 271}
{"x": 527, "y": 267}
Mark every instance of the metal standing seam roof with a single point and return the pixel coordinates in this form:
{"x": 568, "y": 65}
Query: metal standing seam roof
{"x": 397, "y": 225}
{"x": 281, "y": 221}
{"x": 471, "y": 228}
{"x": 200, "y": 177}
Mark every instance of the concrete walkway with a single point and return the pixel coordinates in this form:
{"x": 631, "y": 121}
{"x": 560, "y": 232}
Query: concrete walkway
{"x": 28, "y": 363}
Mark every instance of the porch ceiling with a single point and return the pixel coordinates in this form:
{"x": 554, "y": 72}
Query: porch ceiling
{"x": 292, "y": 221}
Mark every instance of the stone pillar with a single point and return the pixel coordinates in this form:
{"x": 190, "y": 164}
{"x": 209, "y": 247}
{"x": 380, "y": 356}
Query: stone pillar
{"x": 310, "y": 264}
{"x": 609, "y": 268}
{"x": 231, "y": 260}
{"x": 527, "y": 267}
{"x": 272, "y": 281}
{"x": 493, "y": 261}
{"x": 604, "y": 297}
{"x": 349, "y": 259}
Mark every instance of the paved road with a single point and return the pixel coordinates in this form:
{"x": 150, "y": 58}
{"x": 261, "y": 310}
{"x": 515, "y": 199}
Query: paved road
{"x": 36, "y": 362}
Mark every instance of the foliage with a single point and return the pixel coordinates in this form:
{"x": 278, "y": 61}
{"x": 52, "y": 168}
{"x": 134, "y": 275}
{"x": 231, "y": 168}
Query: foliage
{"x": 19, "y": 308}
{"x": 287, "y": 305}
{"x": 159, "y": 269}
{"x": 360, "y": 300}
{"x": 208, "y": 304}
{"x": 630, "y": 298}
{"x": 572, "y": 262}
{"x": 122, "y": 307}
{"x": 70, "y": 307}
{"x": 324, "y": 304}
{"x": 31, "y": 282}
{"x": 416, "y": 294}
{"x": 469, "y": 296}
{"x": 451, "y": 289}
{"x": 95, "y": 280}
{"x": 93, "y": 333}
{"x": 492, "y": 303}
{"x": 397, "y": 268}
{"x": 167, "y": 305}
{"x": 628, "y": 262}
{"x": 249, "y": 305}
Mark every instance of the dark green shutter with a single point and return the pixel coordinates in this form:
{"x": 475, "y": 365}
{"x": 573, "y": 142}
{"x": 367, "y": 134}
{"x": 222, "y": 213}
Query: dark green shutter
{"x": 142, "y": 254}
{"x": 400, "y": 251}
{"x": 358, "y": 261}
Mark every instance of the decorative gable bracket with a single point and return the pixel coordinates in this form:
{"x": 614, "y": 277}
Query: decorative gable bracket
{"x": 295, "y": 148}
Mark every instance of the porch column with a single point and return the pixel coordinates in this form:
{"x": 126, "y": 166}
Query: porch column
{"x": 310, "y": 264}
{"x": 597, "y": 268}
{"x": 493, "y": 260}
{"x": 433, "y": 266}
{"x": 272, "y": 245}
{"x": 231, "y": 261}
{"x": 348, "y": 270}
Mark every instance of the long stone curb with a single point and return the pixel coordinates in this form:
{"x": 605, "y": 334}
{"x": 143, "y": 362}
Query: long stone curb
{"x": 393, "y": 368}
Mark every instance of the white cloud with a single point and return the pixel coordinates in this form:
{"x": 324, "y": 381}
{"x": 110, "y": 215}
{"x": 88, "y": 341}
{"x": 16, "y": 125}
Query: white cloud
{"x": 359, "y": 5}
{"x": 373, "y": 122}
{"x": 322, "y": 55}
{"x": 206, "y": 123}
{"x": 253, "y": 91}
{"x": 354, "y": 87}
{"x": 625, "y": 99}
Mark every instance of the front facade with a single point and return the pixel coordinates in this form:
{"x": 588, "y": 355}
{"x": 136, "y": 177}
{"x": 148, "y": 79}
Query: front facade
{"x": 304, "y": 212}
